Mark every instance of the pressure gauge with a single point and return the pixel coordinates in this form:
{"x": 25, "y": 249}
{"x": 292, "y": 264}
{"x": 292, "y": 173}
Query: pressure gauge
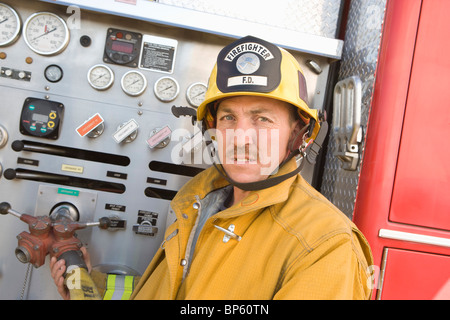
{"x": 10, "y": 25}
{"x": 46, "y": 33}
{"x": 195, "y": 94}
{"x": 100, "y": 77}
{"x": 166, "y": 89}
{"x": 53, "y": 73}
{"x": 133, "y": 83}
{"x": 3, "y": 137}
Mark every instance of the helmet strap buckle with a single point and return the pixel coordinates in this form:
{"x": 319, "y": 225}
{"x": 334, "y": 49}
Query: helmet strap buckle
{"x": 305, "y": 144}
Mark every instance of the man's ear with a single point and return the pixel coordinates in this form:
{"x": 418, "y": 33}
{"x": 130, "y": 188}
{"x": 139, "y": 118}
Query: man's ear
{"x": 296, "y": 136}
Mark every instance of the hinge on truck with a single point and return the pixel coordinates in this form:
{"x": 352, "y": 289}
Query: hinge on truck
{"x": 347, "y": 121}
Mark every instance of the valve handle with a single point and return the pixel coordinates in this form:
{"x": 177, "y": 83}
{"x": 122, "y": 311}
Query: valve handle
{"x": 103, "y": 223}
{"x": 5, "y": 208}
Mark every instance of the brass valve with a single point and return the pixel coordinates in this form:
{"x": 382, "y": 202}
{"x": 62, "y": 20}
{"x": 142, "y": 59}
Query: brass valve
{"x": 48, "y": 236}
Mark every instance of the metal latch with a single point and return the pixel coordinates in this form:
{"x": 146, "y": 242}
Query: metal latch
{"x": 347, "y": 121}
{"x": 229, "y": 233}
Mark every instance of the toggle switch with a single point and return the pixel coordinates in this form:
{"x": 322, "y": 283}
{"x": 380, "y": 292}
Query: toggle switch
{"x": 92, "y": 128}
{"x": 159, "y": 137}
{"x": 126, "y": 132}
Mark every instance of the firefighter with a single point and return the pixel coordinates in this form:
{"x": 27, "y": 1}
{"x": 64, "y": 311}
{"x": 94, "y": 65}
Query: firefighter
{"x": 250, "y": 227}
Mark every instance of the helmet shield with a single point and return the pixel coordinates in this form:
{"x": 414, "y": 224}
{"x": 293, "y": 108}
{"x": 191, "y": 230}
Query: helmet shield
{"x": 249, "y": 65}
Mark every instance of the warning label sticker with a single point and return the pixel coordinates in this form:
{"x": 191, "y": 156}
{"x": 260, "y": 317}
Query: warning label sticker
{"x": 158, "y": 54}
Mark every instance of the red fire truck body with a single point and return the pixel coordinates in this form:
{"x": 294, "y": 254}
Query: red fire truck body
{"x": 402, "y": 204}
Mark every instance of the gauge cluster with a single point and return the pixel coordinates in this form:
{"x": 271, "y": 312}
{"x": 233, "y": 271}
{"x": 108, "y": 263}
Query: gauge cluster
{"x": 151, "y": 55}
{"x": 45, "y": 33}
{"x": 138, "y": 59}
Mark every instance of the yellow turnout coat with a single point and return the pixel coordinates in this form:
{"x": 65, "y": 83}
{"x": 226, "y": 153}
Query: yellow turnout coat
{"x": 294, "y": 245}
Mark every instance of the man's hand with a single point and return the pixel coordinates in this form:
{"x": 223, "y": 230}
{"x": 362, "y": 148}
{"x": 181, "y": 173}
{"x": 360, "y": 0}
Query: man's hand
{"x": 57, "y": 269}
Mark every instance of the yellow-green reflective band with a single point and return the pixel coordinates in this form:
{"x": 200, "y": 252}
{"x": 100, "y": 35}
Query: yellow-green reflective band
{"x": 118, "y": 287}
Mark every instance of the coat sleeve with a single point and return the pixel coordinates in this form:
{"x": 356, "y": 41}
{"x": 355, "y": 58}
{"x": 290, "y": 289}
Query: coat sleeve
{"x": 335, "y": 270}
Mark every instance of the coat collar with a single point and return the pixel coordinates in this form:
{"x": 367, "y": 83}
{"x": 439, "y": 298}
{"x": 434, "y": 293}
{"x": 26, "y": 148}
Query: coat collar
{"x": 210, "y": 180}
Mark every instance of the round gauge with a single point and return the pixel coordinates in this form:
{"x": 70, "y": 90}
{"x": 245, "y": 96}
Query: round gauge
{"x": 3, "y": 137}
{"x": 195, "y": 94}
{"x": 134, "y": 83}
{"x": 46, "y": 33}
{"x": 100, "y": 77}
{"x": 53, "y": 73}
{"x": 166, "y": 89}
{"x": 9, "y": 25}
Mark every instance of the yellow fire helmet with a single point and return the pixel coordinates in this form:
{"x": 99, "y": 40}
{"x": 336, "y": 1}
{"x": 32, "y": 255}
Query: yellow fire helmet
{"x": 252, "y": 66}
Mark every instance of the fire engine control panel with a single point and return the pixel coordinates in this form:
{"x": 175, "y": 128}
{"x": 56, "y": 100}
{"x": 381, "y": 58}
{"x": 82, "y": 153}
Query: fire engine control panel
{"x": 90, "y": 118}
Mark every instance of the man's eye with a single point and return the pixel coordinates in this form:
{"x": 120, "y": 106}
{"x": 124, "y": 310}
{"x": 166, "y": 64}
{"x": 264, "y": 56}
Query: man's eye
{"x": 227, "y": 117}
{"x": 264, "y": 119}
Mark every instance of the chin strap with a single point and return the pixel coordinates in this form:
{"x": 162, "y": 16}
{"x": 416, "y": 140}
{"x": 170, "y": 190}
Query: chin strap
{"x": 307, "y": 152}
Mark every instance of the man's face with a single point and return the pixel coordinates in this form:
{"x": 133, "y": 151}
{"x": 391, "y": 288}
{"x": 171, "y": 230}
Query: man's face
{"x": 253, "y": 134}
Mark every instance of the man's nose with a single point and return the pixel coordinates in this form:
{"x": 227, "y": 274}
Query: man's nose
{"x": 245, "y": 133}
{"x": 244, "y": 139}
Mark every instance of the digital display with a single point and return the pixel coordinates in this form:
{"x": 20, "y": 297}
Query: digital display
{"x": 39, "y": 117}
{"x": 121, "y": 46}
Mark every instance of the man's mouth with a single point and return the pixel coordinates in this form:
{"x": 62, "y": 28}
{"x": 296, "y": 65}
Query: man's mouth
{"x": 240, "y": 156}
{"x": 245, "y": 160}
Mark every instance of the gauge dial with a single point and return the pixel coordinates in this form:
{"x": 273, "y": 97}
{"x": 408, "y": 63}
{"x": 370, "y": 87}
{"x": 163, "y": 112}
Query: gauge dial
{"x": 100, "y": 77}
{"x": 195, "y": 94}
{"x": 134, "y": 83}
{"x": 53, "y": 73}
{"x": 46, "y": 33}
{"x": 9, "y": 25}
{"x": 3, "y": 137}
{"x": 166, "y": 89}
